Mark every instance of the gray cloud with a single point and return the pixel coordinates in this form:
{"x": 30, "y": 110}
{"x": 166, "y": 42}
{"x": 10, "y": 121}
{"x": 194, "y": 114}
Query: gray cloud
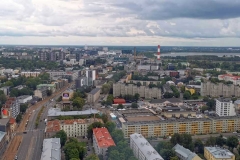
{"x": 170, "y": 9}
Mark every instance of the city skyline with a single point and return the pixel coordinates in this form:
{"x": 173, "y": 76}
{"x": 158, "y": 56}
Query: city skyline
{"x": 125, "y": 23}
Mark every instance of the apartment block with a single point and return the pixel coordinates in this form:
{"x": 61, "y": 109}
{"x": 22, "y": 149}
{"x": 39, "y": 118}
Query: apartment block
{"x": 219, "y": 89}
{"x": 41, "y": 93}
{"x": 93, "y": 96}
{"x": 43, "y": 56}
{"x": 218, "y": 153}
{"x": 53, "y": 56}
{"x": 225, "y": 107}
{"x": 152, "y": 127}
{"x": 101, "y": 141}
{"x": 142, "y": 149}
{"x": 30, "y": 74}
{"x": 131, "y": 89}
{"x": 11, "y": 108}
{"x": 73, "y": 128}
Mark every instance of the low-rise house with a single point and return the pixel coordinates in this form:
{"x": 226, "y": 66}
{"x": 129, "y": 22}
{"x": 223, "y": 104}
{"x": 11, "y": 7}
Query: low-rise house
{"x": 218, "y": 153}
{"x": 185, "y": 154}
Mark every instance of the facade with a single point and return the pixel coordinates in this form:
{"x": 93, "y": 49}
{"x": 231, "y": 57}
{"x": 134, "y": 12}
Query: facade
{"x": 142, "y": 149}
{"x": 41, "y": 93}
{"x": 30, "y": 74}
{"x": 67, "y": 95}
{"x": 43, "y": 56}
{"x": 231, "y": 78}
{"x": 61, "y": 74}
{"x": 130, "y": 89}
{"x": 6, "y": 90}
{"x": 185, "y": 154}
{"x": 219, "y": 89}
{"x": 80, "y": 82}
{"x": 101, "y": 141}
{"x": 156, "y": 128}
{"x": 217, "y": 153}
{"x": 225, "y": 107}
{"x": 3, "y": 143}
{"x": 51, "y": 149}
{"x": 11, "y": 108}
{"x": 91, "y": 75}
{"x": 73, "y": 128}
{"x": 144, "y": 83}
{"x": 62, "y": 56}
{"x": 53, "y": 56}
{"x": 24, "y": 99}
{"x": 94, "y": 95}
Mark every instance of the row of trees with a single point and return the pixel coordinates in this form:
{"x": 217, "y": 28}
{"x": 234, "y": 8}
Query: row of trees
{"x": 27, "y": 64}
{"x": 117, "y": 76}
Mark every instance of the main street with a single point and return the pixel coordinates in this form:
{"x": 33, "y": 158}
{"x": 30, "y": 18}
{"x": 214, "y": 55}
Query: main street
{"x": 28, "y": 146}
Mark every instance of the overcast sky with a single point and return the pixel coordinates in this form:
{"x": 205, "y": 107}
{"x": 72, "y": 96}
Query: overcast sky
{"x": 120, "y": 22}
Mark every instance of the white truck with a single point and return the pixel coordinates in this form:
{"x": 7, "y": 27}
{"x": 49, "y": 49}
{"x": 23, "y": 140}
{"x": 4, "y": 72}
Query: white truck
{"x": 45, "y": 121}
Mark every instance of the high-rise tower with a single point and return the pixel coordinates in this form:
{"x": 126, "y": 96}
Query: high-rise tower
{"x": 158, "y": 55}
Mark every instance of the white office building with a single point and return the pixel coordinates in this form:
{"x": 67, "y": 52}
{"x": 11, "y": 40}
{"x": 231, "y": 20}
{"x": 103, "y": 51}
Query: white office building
{"x": 225, "y": 107}
{"x": 142, "y": 149}
{"x": 51, "y": 149}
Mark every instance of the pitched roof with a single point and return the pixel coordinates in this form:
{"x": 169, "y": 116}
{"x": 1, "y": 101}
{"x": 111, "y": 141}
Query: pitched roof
{"x": 186, "y": 153}
{"x": 12, "y": 121}
{"x": 53, "y": 126}
{"x": 103, "y": 137}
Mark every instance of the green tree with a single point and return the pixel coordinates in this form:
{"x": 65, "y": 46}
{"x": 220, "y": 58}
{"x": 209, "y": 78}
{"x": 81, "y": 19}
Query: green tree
{"x": 110, "y": 126}
{"x": 186, "y": 95}
{"x": 134, "y": 105}
{"x": 78, "y": 102}
{"x": 106, "y": 88}
{"x": 174, "y": 158}
{"x": 3, "y": 98}
{"x": 104, "y": 118}
{"x": 62, "y": 135}
{"x": 92, "y": 157}
{"x": 120, "y": 106}
{"x": 9, "y": 83}
{"x": 23, "y": 108}
{"x": 139, "y": 84}
{"x": 220, "y": 141}
{"x": 232, "y": 142}
{"x": 137, "y": 96}
{"x": 115, "y": 155}
{"x": 19, "y": 118}
{"x": 176, "y": 139}
{"x": 167, "y": 154}
{"x": 204, "y": 108}
{"x": 198, "y": 146}
{"x": 211, "y": 141}
{"x": 49, "y": 92}
{"x": 182, "y": 89}
{"x": 117, "y": 135}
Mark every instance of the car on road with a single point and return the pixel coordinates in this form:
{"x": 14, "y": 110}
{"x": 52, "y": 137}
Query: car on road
{"x": 16, "y": 157}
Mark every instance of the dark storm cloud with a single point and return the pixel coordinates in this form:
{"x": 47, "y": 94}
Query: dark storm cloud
{"x": 197, "y": 9}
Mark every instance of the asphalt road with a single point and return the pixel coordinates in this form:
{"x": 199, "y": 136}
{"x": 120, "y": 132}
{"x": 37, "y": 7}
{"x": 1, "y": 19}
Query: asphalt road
{"x": 31, "y": 146}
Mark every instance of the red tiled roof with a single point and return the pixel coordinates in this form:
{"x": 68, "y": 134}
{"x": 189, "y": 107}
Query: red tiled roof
{"x": 119, "y": 100}
{"x": 12, "y": 121}
{"x": 53, "y": 126}
{"x": 104, "y": 139}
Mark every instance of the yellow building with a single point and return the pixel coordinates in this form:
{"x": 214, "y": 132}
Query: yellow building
{"x": 190, "y": 89}
{"x": 160, "y": 128}
{"x": 217, "y": 153}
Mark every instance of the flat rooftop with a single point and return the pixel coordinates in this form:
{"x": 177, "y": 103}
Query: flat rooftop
{"x": 54, "y": 112}
{"x": 142, "y": 118}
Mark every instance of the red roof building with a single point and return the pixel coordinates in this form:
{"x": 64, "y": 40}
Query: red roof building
{"x": 102, "y": 140}
{"x": 119, "y": 101}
